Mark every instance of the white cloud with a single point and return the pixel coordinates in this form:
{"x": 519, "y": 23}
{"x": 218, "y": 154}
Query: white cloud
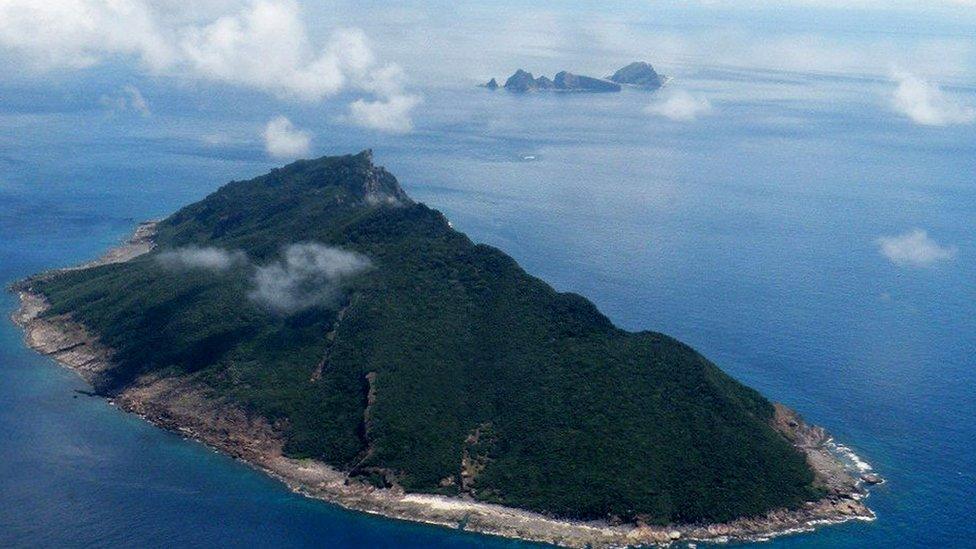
{"x": 137, "y": 101}
{"x": 839, "y": 4}
{"x": 680, "y": 105}
{"x": 80, "y": 33}
{"x": 208, "y": 258}
{"x": 914, "y": 248}
{"x": 389, "y": 115}
{"x": 265, "y": 46}
{"x": 129, "y": 99}
{"x": 311, "y": 274}
{"x": 926, "y": 104}
{"x": 391, "y": 110}
{"x": 258, "y": 44}
{"x": 283, "y": 140}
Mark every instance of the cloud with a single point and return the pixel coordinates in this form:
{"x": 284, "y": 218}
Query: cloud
{"x": 839, "y": 4}
{"x": 283, "y": 140}
{"x": 389, "y": 115}
{"x": 310, "y": 274}
{"x": 265, "y": 46}
{"x": 130, "y": 99}
{"x": 137, "y": 101}
{"x": 914, "y": 248}
{"x": 925, "y": 103}
{"x": 208, "y": 258}
{"x": 680, "y": 106}
{"x": 390, "y": 112}
{"x": 257, "y": 44}
{"x": 80, "y": 33}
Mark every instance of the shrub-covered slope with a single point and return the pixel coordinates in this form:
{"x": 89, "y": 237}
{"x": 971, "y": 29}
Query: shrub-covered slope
{"x": 438, "y": 364}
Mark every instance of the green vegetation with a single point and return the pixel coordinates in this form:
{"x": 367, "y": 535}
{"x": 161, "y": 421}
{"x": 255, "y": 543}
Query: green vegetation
{"x": 441, "y": 339}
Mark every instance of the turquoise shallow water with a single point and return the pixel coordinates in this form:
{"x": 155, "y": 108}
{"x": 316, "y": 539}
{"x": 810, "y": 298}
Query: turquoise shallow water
{"x": 750, "y": 234}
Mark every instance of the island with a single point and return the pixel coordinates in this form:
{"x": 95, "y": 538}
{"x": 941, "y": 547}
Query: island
{"x": 322, "y": 326}
{"x": 638, "y": 74}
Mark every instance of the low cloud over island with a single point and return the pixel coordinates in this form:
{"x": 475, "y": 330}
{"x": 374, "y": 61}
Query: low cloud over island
{"x": 309, "y": 274}
{"x": 207, "y": 258}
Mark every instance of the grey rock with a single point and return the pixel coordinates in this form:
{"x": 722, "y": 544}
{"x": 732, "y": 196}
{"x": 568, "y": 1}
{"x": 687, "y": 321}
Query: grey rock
{"x": 640, "y": 74}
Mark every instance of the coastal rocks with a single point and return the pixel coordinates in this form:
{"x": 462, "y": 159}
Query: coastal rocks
{"x": 871, "y": 478}
{"x": 61, "y": 339}
{"x": 831, "y": 474}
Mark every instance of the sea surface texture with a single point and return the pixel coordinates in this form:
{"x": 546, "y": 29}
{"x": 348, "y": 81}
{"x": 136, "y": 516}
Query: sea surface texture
{"x": 755, "y": 234}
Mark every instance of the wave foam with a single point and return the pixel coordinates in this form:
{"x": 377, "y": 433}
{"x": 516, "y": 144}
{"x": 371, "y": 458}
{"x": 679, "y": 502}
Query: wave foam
{"x": 847, "y": 455}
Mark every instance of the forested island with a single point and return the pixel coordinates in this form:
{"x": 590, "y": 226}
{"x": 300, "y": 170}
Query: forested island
{"x": 321, "y": 325}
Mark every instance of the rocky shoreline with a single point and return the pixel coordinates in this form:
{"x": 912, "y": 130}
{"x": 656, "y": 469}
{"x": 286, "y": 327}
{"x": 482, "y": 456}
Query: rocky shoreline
{"x": 183, "y": 405}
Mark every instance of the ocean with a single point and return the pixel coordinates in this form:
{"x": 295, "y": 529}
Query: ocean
{"x": 751, "y": 233}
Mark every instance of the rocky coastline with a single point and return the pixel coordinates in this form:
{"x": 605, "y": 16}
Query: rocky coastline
{"x": 186, "y": 406}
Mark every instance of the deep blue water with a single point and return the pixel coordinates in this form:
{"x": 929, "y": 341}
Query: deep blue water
{"x": 750, "y": 234}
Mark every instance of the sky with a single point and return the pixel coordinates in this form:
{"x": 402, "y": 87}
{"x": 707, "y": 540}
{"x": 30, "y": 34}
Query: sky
{"x": 368, "y": 65}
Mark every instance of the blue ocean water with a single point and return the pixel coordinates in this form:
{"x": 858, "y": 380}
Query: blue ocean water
{"x": 750, "y": 234}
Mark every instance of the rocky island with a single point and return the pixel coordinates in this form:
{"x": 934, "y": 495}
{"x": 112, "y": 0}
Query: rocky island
{"x": 638, "y": 75}
{"x": 320, "y": 325}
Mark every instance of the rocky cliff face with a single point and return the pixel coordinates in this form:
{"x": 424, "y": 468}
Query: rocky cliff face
{"x": 523, "y": 81}
{"x": 573, "y": 82}
{"x": 638, "y": 73}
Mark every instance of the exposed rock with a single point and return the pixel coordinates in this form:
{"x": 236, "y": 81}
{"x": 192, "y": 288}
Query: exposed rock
{"x": 521, "y": 81}
{"x": 543, "y": 83}
{"x": 872, "y": 478}
{"x": 831, "y": 474}
{"x": 639, "y": 74}
{"x": 573, "y": 82}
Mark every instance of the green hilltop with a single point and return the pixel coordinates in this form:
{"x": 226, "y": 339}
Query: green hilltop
{"x": 387, "y": 344}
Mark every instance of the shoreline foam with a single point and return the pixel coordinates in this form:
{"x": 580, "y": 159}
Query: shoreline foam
{"x": 187, "y": 407}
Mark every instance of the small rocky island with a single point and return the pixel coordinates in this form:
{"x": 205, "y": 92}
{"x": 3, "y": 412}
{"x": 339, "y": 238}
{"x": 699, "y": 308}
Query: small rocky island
{"x": 319, "y": 324}
{"x": 638, "y": 74}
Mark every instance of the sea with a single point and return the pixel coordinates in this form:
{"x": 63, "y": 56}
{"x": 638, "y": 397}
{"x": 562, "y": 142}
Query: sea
{"x": 753, "y": 233}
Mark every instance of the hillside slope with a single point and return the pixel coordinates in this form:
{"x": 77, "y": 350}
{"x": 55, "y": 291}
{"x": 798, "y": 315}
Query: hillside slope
{"x": 387, "y": 344}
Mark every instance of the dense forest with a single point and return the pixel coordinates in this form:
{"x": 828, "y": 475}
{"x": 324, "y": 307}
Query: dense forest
{"x": 386, "y": 343}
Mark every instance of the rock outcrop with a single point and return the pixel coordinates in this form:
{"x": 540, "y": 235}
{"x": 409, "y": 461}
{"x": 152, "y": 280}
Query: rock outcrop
{"x": 522, "y": 81}
{"x": 639, "y": 74}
